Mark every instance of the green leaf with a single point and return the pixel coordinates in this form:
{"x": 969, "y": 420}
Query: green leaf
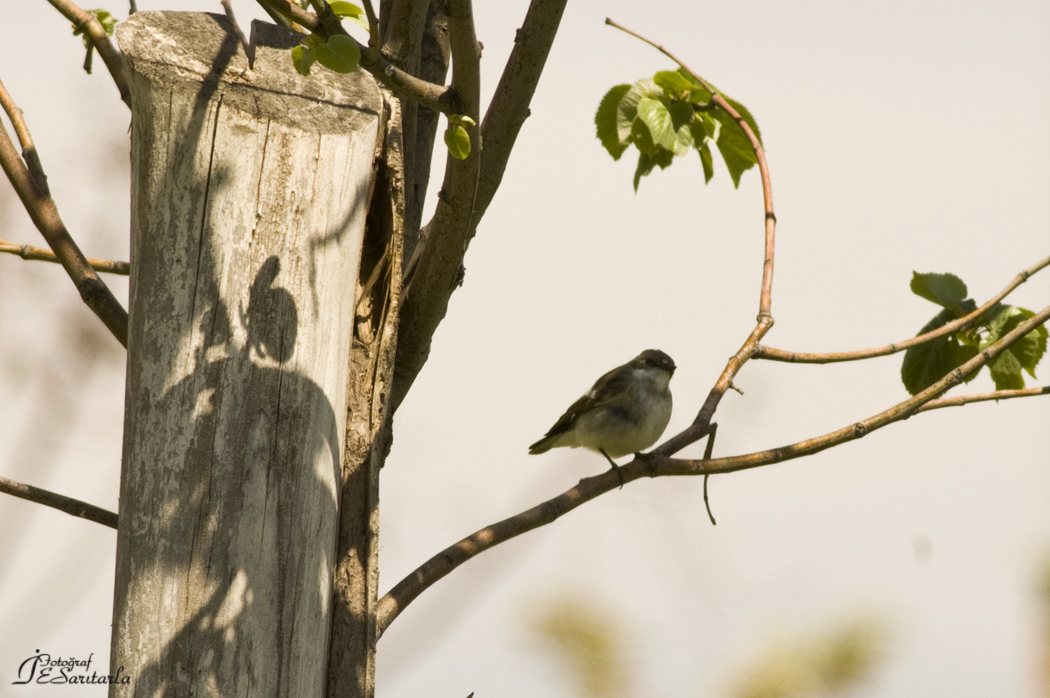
{"x": 1024, "y": 354}
{"x": 927, "y": 363}
{"x": 348, "y": 10}
{"x": 673, "y": 83}
{"x": 627, "y": 109}
{"x": 734, "y": 145}
{"x": 682, "y": 120}
{"x": 705, "y": 160}
{"x": 645, "y": 166}
{"x": 745, "y": 114}
{"x": 340, "y": 54}
{"x": 605, "y": 121}
{"x": 946, "y": 290}
{"x": 458, "y": 140}
{"x": 303, "y": 57}
{"x": 654, "y": 115}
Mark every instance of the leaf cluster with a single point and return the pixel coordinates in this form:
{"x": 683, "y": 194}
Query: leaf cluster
{"x": 927, "y": 363}
{"x": 671, "y": 114}
{"x": 338, "y": 53}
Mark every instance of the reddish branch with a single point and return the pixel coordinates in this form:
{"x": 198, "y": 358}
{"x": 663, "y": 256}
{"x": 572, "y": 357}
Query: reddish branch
{"x": 30, "y": 182}
{"x": 959, "y": 325}
{"x": 89, "y": 25}
{"x": 73, "y": 507}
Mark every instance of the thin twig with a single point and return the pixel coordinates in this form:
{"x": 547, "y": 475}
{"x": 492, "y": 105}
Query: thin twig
{"x": 73, "y": 507}
{"x": 238, "y": 31}
{"x": 996, "y": 395}
{"x": 958, "y": 325}
{"x": 409, "y": 588}
{"x": 41, "y": 208}
{"x": 40, "y": 254}
{"x": 373, "y": 31}
{"x": 90, "y": 26}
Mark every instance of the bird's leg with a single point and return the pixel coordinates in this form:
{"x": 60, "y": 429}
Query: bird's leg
{"x": 618, "y": 469}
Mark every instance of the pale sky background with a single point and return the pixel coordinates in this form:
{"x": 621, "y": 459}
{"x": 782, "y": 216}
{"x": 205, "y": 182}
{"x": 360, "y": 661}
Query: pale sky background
{"x": 901, "y": 136}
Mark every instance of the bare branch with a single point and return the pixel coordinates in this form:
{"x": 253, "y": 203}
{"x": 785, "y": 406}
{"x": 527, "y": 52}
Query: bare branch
{"x": 29, "y": 252}
{"x": 962, "y": 323}
{"x": 436, "y": 97}
{"x": 89, "y": 25}
{"x": 437, "y": 259}
{"x": 409, "y": 588}
{"x": 73, "y": 507}
{"x": 32, "y": 190}
{"x": 996, "y": 395}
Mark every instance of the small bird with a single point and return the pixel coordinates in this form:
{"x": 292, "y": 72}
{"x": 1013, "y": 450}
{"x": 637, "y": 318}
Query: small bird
{"x": 625, "y": 412}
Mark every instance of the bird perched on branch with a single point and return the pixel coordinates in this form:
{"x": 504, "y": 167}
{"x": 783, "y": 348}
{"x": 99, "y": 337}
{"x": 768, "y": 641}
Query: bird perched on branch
{"x": 625, "y": 412}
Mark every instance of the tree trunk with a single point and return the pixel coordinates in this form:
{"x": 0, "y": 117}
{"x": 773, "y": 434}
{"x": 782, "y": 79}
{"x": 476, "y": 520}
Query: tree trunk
{"x": 250, "y": 189}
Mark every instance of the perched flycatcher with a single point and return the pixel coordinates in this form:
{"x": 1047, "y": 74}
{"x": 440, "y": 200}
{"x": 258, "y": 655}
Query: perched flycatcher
{"x": 625, "y": 412}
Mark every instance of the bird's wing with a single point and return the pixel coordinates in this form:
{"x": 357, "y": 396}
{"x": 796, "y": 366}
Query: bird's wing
{"x": 607, "y": 388}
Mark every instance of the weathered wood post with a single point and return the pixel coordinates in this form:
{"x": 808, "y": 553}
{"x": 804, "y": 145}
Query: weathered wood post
{"x": 249, "y": 195}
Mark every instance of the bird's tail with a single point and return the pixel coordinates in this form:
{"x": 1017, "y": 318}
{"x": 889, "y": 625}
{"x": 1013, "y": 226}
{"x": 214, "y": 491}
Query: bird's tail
{"x": 545, "y": 444}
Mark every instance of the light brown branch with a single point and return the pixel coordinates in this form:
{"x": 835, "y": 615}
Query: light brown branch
{"x": 701, "y": 424}
{"x": 900, "y": 411}
{"x": 996, "y": 395}
{"x": 73, "y": 507}
{"x": 958, "y": 325}
{"x": 32, "y": 190}
{"x": 29, "y": 252}
{"x": 409, "y": 588}
{"x": 87, "y": 23}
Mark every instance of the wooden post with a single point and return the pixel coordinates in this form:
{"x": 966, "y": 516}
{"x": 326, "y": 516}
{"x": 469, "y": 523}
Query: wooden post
{"x": 249, "y": 194}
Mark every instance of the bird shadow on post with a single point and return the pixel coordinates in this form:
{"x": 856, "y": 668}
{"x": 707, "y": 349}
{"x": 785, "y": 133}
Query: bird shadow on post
{"x": 249, "y": 195}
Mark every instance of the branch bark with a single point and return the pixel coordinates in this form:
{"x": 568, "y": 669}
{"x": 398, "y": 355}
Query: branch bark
{"x": 73, "y": 507}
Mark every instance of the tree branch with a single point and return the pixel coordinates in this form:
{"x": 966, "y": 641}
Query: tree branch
{"x": 996, "y": 395}
{"x": 702, "y": 423}
{"x": 436, "y": 97}
{"x": 32, "y": 190}
{"x": 29, "y": 252}
{"x": 73, "y": 507}
{"x": 438, "y": 257}
{"x": 89, "y": 25}
{"x": 437, "y": 263}
{"x": 962, "y": 323}
{"x": 900, "y": 411}
{"x": 765, "y": 299}
{"x": 409, "y": 588}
